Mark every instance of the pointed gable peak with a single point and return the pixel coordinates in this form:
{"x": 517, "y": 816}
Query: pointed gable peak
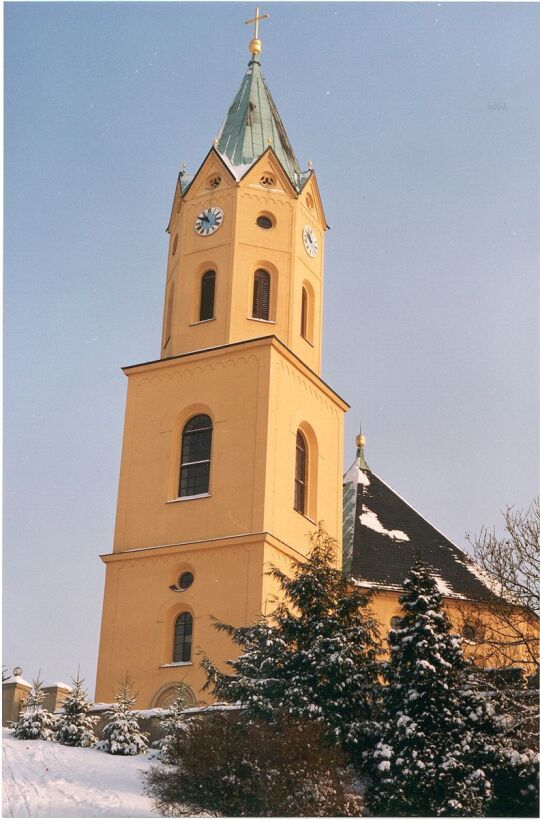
{"x": 252, "y": 125}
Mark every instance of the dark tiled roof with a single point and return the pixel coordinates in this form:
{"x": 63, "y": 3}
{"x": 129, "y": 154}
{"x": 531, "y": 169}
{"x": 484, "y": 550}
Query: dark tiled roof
{"x": 383, "y": 534}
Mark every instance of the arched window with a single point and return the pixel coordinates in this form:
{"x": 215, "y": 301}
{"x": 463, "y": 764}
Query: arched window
{"x": 208, "y": 289}
{"x": 304, "y": 314}
{"x": 261, "y": 295}
{"x": 195, "y": 456}
{"x": 168, "y": 317}
{"x": 183, "y": 633}
{"x": 300, "y": 474}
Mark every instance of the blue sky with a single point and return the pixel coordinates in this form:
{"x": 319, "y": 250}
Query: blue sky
{"x": 422, "y": 124}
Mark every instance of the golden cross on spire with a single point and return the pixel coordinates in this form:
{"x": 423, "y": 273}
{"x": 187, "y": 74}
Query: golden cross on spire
{"x": 255, "y": 45}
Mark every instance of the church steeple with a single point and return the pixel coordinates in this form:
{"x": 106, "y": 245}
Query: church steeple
{"x": 246, "y": 237}
{"x": 253, "y": 124}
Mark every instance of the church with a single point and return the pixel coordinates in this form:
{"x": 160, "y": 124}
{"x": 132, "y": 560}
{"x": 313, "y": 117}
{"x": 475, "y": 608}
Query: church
{"x": 233, "y": 442}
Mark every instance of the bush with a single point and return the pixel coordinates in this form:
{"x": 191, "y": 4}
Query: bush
{"x": 122, "y": 734}
{"x": 34, "y": 721}
{"x": 240, "y": 768}
{"x": 75, "y": 725}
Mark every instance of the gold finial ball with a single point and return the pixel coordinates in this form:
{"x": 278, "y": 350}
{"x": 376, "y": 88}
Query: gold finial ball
{"x": 360, "y": 440}
{"x": 255, "y": 46}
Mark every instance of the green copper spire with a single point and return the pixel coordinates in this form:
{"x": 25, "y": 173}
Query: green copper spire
{"x": 253, "y": 124}
{"x": 354, "y": 477}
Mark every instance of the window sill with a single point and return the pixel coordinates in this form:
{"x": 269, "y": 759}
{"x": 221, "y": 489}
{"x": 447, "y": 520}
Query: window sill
{"x": 178, "y": 663}
{"x": 202, "y": 322}
{"x": 265, "y": 321}
{"x": 189, "y": 498}
{"x": 305, "y": 516}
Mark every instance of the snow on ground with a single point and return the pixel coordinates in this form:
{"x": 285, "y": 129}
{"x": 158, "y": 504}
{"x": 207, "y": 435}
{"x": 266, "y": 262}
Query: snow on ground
{"x": 49, "y": 780}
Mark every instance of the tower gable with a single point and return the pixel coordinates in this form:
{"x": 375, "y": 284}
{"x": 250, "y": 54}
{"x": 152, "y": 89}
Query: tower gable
{"x": 268, "y": 174}
{"x": 311, "y": 198}
{"x": 206, "y": 181}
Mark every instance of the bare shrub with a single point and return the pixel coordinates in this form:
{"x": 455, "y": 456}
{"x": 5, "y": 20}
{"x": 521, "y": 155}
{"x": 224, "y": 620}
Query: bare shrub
{"x": 240, "y": 768}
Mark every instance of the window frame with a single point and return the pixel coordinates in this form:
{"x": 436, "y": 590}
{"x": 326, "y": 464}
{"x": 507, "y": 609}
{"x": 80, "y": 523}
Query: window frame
{"x": 208, "y": 276}
{"x": 183, "y": 638}
{"x": 184, "y": 464}
{"x": 168, "y": 316}
{"x": 301, "y": 488}
{"x": 304, "y": 317}
{"x": 261, "y": 278}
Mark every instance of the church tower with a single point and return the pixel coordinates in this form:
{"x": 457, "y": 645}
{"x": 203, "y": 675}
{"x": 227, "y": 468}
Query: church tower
{"x": 232, "y": 445}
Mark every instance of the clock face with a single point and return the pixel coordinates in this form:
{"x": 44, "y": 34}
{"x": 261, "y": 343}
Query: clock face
{"x": 208, "y": 221}
{"x": 311, "y": 243}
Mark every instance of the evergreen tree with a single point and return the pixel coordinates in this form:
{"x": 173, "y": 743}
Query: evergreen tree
{"x": 315, "y": 657}
{"x": 75, "y": 726}
{"x": 122, "y": 734}
{"x": 173, "y": 723}
{"x": 34, "y": 721}
{"x": 443, "y": 747}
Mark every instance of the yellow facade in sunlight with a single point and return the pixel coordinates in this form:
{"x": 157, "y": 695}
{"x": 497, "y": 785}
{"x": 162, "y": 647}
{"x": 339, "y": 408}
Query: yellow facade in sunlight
{"x": 258, "y": 381}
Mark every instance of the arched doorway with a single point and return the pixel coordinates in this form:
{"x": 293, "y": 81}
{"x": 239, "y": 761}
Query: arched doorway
{"x": 166, "y": 695}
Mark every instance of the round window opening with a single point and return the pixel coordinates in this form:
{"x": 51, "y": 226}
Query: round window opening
{"x": 213, "y": 182}
{"x": 185, "y": 580}
{"x": 264, "y": 222}
{"x": 395, "y": 622}
{"x": 268, "y": 180}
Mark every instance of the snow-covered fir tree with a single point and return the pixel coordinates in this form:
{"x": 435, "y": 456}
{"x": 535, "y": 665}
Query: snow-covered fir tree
{"x": 34, "y": 721}
{"x": 75, "y": 726}
{"x": 315, "y": 657}
{"x": 122, "y": 734}
{"x": 443, "y": 747}
{"x": 173, "y": 724}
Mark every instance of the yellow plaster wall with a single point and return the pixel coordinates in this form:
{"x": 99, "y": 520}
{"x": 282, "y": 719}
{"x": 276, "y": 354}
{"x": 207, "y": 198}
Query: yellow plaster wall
{"x": 298, "y": 401}
{"x": 231, "y": 386}
{"x": 140, "y": 611}
{"x": 258, "y": 394}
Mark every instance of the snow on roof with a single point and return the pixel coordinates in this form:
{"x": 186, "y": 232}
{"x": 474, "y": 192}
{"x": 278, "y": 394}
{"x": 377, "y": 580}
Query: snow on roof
{"x": 444, "y": 587}
{"x": 355, "y": 475}
{"x": 58, "y": 685}
{"x": 363, "y": 582}
{"x": 239, "y": 170}
{"x": 369, "y": 519}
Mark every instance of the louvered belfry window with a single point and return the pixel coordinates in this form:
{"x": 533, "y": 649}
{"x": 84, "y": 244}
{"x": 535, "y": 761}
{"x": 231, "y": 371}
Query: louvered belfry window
{"x": 300, "y": 476}
{"x": 195, "y": 457}
{"x": 208, "y": 289}
{"x": 261, "y": 295}
{"x": 183, "y": 633}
